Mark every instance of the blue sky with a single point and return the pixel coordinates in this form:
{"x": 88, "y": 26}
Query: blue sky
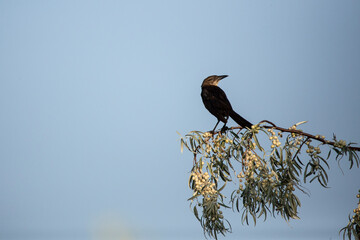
{"x": 93, "y": 92}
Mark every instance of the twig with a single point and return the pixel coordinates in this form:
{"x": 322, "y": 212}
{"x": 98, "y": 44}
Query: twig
{"x": 297, "y": 152}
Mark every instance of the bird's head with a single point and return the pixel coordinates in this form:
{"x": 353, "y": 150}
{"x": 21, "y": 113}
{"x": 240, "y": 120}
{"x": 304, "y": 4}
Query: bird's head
{"x": 213, "y": 80}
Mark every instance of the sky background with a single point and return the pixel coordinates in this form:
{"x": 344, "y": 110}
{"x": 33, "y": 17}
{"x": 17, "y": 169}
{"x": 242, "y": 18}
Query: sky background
{"x": 93, "y": 92}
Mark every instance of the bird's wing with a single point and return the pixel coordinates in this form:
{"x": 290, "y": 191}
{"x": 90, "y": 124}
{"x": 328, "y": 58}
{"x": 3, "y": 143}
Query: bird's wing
{"x": 219, "y": 99}
{"x": 216, "y": 102}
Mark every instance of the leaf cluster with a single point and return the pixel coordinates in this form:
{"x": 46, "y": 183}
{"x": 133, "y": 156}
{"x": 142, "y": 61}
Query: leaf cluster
{"x": 265, "y": 175}
{"x": 353, "y": 227}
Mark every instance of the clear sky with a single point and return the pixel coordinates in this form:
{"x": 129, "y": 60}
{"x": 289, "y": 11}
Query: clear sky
{"x": 93, "y": 92}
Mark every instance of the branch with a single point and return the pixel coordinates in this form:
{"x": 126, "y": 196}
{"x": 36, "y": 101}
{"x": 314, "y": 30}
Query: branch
{"x": 296, "y": 132}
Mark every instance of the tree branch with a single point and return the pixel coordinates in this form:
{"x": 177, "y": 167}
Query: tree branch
{"x": 299, "y": 132}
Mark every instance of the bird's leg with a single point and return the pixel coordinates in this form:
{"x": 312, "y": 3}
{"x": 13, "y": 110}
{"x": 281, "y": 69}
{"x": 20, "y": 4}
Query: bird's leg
{"x": 215, "y": 126}
{"x": 224, "y": 128}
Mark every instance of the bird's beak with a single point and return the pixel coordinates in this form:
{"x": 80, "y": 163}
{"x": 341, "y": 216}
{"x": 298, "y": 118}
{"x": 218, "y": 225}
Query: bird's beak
{"x": 222, "y": 76}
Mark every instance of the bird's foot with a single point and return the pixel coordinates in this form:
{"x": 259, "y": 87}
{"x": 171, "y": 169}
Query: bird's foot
{"x": 212, "y": 132}
{"x": 223, "y": 129}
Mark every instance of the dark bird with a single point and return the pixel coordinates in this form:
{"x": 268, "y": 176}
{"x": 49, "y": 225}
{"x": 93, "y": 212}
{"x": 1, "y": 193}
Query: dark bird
{"x": 215, "y": 100}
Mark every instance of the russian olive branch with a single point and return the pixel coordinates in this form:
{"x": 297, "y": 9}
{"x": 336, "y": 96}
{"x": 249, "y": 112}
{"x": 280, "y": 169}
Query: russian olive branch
{"x": 295, "y": 131}
{"x": 266, "y": 180}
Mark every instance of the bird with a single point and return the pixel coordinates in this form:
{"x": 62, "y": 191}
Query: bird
{"x": 216, "y": 102}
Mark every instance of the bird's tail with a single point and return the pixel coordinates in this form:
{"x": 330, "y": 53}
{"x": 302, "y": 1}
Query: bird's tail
{"x": 240, "y": 120}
